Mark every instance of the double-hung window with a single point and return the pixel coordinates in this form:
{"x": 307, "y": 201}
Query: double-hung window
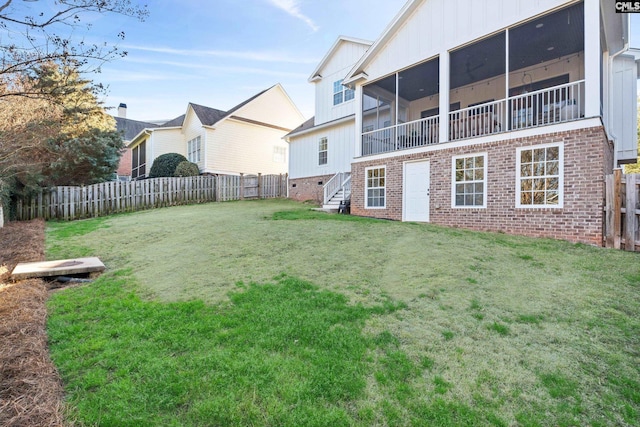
{"x": 323, "y": 150}
{"x": 193, "y": 150}
{"x": 341, "y": 93}
{"x": 470, "y": 181}
{"x": 375, "y": 187}
{"x": 279, "y": 154}
{"x": 540, "y": 171}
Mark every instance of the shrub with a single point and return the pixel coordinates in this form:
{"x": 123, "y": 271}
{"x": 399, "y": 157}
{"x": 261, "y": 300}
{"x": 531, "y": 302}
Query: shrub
{"x": 187, "y": 169}
{"x": 165, "y": 165}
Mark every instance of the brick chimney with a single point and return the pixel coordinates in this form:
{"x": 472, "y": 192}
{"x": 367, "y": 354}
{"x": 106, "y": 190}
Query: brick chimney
{"x": 122, "y": 111}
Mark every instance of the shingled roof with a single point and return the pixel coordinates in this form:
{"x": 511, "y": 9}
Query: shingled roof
{"x": 130, "y": 128}
{"x": 177, "y": 122}
{"x": 210, "y": 116}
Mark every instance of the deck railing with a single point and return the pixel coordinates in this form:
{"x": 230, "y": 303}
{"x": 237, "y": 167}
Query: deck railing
{"x": 547, "y": 106}
{"x": 544, "y": 107}
{"x": 417, "y": 133}
{"x": 478, "y": 120}
{"x": 340, "y": 181}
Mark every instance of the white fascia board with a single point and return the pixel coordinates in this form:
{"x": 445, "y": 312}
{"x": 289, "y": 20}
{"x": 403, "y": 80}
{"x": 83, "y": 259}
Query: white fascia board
{"x": 391, "y": 29}
{"x": 322, "y": 126}
{"x": 315, "y": 76}
{"x": 479, "y": 142}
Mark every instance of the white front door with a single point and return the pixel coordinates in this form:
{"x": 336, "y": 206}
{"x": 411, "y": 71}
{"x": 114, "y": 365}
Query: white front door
{"x": 415, "y": 206}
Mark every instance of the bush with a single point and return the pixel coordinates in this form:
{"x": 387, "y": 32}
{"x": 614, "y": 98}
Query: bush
{"x": 165, "y": 165}
{"x": 187, "y": 169}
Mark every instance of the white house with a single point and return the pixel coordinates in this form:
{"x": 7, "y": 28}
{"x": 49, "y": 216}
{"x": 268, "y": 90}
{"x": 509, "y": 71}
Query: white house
{"x": 500, "y": 115}
{"x": 323, "y": 146}
{"x": 246, "y": 139}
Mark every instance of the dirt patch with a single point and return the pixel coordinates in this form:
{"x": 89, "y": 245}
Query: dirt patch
{"x": 31, "y": 392}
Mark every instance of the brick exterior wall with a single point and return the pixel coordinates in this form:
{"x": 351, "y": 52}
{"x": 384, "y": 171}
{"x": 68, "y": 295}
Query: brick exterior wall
{"x": 303, "y": 189}
{"x": 587, "y": 158}
{"x": 124, "y": 167}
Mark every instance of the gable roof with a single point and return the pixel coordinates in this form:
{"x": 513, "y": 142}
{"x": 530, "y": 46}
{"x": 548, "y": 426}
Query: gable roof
{"x": 131, "y": 128}
{"x": 387, "y": 34}
{"x": 208, "y": 116}
{"x": 309, "y": 124}
{"x": 341, "y": 39}
{"x": 177, "y": 122}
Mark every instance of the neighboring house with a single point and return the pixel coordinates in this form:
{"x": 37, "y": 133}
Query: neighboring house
{"x": 246, "y": 139}
{"x": 501, "y": 115}
{"x": 323, "y": 147}
{"x": 129, "y": 129}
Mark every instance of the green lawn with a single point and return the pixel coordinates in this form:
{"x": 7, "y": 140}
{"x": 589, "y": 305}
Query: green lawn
{"x": 267, "y": 314}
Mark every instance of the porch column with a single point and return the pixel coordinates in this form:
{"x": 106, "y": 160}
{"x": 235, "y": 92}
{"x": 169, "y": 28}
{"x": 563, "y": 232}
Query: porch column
{"x": 444, "y": 96}
{"x": 592, "y": 55}
{"x": 358, "y": 122}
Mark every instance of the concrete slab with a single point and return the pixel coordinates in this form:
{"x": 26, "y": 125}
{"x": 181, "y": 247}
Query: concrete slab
{"x": 26, "y": 270}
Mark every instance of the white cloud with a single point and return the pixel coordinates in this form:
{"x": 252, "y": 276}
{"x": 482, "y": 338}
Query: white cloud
{"x": 292, "y": 7}
{"x": 247, "y": 55}
{"x": 217, "y": 68}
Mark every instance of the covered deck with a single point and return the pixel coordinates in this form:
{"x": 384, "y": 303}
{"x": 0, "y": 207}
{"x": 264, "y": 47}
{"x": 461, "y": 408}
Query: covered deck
{"x": 527, "y": 76}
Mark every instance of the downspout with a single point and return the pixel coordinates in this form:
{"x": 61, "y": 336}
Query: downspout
{"x": 612, "y": 135}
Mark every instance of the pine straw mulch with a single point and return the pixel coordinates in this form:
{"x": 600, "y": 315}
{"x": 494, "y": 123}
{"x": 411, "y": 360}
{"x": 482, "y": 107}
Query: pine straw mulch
{"x": 31, "y": 392}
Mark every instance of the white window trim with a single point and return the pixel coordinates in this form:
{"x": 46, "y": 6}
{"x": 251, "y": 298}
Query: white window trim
{"x": 560, "y": 203}
{"x": 344, "y": 94}
{"x": 366, "y": 198}
{"x": 453, "y": 181}
{"x": 279, "y": 154}
{"x": 326, "y": 150}
{"x": 197, "y": 151}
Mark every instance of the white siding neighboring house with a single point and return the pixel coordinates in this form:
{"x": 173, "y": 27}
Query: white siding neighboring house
{"x": 324, "y": 145}
{"x": 246, "y": 139}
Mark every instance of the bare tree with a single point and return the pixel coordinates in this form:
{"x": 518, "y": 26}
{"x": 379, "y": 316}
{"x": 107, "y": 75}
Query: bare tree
{"x": 37, "y": 32}
{"x": 37, "y": 36}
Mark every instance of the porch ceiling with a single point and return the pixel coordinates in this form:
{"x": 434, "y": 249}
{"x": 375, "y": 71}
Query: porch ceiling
{"x": 540, "y": 40}
{"x": 544, "y": 39}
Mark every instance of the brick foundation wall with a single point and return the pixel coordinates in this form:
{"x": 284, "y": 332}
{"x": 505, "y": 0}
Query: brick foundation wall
{"x": 303, "y": 189}
{"x": 587, "y": 158}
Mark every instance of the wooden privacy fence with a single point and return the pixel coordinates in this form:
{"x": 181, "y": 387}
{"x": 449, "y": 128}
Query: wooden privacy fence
{"x": 69, "y": 203}
{"x": 622, "y": 210}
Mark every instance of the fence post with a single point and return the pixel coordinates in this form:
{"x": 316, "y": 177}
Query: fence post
{"x": 241, "y": 186}
{"x": 259, "y": 186}
{"x": 617, "y": 208}
{"x": 630, "y": 216}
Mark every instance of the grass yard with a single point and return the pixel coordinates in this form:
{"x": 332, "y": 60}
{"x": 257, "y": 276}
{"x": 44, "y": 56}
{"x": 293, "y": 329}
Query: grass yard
{"x": 268, "y": 314}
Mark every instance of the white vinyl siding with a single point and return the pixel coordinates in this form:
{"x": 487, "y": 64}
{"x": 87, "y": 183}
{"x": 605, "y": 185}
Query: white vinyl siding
{"x": 375, "y": 187}
{"x": 194, "y": 150}
{"x": 236, "y": 147}
{"x": 539, "y": 171}
{"x": 436, "y": 27}
{"x": 469, "y": 178}
{"x": 273, "y": 107}
{"x": 279, "y": 154}
{"x": 322, "y": 151}
{"x": 336, "y": 68}
{"x": 303, "y": 151}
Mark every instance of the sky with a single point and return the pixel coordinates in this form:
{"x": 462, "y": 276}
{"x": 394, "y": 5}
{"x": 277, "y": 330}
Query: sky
{"x": 219, "y": 53}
